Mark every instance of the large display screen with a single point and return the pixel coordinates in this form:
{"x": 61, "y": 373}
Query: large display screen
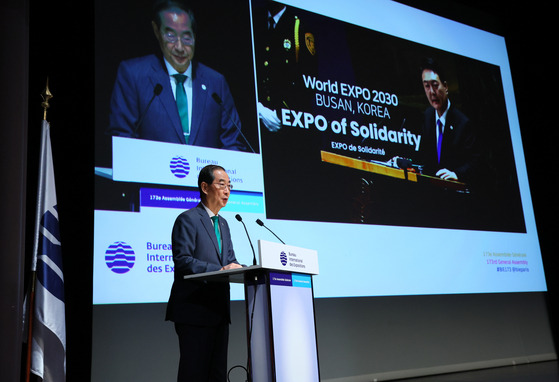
{"x": 339, "y": 150}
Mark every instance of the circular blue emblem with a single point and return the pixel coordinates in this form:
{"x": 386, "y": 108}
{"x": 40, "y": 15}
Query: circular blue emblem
{"x": 120, "y": 257}
{"x": 179, "y": 167}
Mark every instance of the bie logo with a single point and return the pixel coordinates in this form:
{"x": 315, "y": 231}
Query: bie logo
{"x": 120, "y": 257}
{"x": 283, "y": 258}
{"x": 179, "y": 167}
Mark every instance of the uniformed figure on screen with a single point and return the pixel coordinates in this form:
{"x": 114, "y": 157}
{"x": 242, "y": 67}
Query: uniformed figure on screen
{"x": 448, "y": 145}
{"x": 285, "y": 51}
{"x": 171, "y": 97}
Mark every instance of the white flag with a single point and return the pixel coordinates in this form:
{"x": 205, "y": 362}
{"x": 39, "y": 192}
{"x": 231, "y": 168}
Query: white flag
{"x": 48, "y": 353}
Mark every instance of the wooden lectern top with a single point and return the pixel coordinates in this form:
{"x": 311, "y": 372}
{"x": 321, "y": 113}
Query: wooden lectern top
{"x": 393, "y": 172}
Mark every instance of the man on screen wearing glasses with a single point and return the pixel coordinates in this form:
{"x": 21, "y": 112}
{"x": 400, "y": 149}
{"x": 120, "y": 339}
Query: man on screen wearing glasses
{"x": 172, "y": 98}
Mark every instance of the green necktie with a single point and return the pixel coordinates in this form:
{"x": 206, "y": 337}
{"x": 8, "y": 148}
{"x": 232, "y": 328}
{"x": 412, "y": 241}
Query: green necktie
{"x": 217, "y": 234}
{"x": 182, "y": 104}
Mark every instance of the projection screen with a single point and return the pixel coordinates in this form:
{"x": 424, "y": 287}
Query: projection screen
{"x": 336, "y": 154}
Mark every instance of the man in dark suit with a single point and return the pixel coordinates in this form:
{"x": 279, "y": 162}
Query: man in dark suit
{"x": 199, "y": 309}
{"x": 448, "y": 146}
{"x": 185, "y": 110}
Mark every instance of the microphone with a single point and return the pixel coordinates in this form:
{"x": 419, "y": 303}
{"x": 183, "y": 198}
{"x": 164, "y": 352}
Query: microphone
{"x": 260, "y": 223}
{"x": 157, "y": 89}
{"x": 239, "y": 218}
{"x": 218, "y": 100}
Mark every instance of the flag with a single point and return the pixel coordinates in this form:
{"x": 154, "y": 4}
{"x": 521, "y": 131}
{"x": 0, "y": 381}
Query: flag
{"x": 48, "y": 346}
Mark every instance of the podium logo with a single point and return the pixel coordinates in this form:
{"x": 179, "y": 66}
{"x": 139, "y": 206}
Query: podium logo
{"x": 179, "y": 167}
{"x": 120, "y": 257}
{"x": 283, "y": 258}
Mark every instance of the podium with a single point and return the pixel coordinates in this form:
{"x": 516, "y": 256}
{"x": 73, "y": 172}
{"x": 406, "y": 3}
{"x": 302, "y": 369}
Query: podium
{"x": 279, "y": 301}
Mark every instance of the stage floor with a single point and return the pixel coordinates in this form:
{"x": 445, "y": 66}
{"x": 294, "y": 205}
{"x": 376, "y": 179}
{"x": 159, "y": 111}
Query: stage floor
{"x": 537, "y": 372}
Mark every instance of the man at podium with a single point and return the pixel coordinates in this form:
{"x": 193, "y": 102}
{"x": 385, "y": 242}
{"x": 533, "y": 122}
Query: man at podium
{"x": 449, "y": 147}
{"x": 169, "y": 96}
{"x": 200, "y": 310}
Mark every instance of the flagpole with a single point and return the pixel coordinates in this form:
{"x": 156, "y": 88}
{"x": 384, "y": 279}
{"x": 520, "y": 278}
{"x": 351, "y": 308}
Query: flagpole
{"x": 46, "y": 95}
{"x": 30, "y": 327}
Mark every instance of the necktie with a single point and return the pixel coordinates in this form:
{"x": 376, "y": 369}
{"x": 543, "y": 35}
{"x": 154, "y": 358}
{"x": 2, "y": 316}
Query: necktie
{"x": 439, "y": 140}
{"x": 182, "y": 104}
{"x": 217, "y": 234}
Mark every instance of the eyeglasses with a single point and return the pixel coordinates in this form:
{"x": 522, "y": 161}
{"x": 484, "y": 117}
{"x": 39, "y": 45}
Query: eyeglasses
{"x": 172, "y": 38}
{"x": 221, "y": 186}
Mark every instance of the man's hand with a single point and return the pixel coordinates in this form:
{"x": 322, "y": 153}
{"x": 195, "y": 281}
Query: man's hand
{"x": 446, "y": 174}
{"x": 231, "y": 266}
{"x": 269, "y": 118}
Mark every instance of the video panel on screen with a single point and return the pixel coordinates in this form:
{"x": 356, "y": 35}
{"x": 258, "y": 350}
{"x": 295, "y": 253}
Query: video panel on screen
{"x": 384, "y": 137}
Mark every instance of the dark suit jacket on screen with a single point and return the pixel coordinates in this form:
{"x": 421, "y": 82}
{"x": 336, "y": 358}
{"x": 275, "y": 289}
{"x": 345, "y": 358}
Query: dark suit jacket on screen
{"x": 211, "y": 125}
{"x": 195, "y": 250}
{"x": 459, "y": 151}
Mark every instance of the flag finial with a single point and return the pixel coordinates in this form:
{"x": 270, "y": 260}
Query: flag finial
{"x": 47, "y": 95}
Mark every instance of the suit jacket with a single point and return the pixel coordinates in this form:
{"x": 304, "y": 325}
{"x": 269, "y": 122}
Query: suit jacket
{"x": 459, "y": 152}
{"x": 281, "y": 64}
{"x": 195, "y": 250}
{"x": 211, "y": 124}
